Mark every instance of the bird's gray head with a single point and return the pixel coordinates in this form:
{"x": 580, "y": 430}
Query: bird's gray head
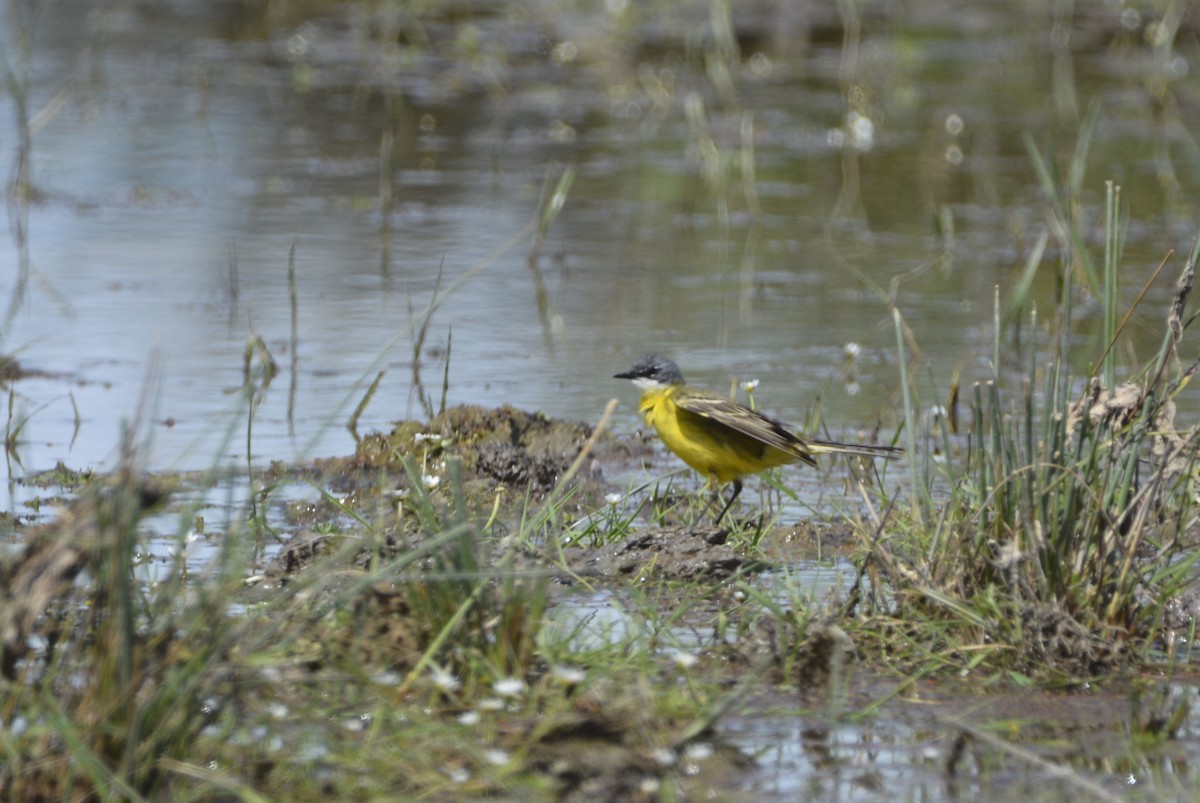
{"x": 653, "y": 371}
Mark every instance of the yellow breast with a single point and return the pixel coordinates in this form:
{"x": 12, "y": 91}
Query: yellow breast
{"x": 720, "y": 453}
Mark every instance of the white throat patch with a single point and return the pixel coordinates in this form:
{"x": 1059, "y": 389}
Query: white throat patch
{"x": 645, "y": 383}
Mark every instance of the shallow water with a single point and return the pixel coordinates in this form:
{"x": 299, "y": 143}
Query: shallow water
{"x": 178, "y": 156}
{"x": 903, "y": 752}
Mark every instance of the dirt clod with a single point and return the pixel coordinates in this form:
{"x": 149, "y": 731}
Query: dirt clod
{"x": 673, "y": 553}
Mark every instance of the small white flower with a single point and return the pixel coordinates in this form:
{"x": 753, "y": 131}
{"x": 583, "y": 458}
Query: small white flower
{"x": 443, "y": 680}
{"x": 569, "y": 675}
{"x": 853, "y": 388}
{"x": 388, "y": 678}
{"x": 421, "y": 437}
{"x": 491, "y": 704}
{"x": 469, "y": 718}
{"x": 684, "y": 660}
{"x": 496, "y": 756}
{"x": 760, "y": 65}
{"x": 698, "y": 751}
{"x": 664, "y": 756}
{"x": 297, "y": 45}
{"x": 852, "y": 349}
{"x": 509, "y": 687}
{"x": 458, "y": 774}
{"x": 184, "y": 549}
{"x": 614, "y": 499}
{"x": 565, "y": 52}
{"x": 431, "y": 481}
{"x": 749, "y": 385}
{"x": 862, "y": 131}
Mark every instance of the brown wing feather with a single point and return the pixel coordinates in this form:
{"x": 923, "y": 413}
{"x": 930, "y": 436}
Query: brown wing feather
{"x": 742, "y": 419}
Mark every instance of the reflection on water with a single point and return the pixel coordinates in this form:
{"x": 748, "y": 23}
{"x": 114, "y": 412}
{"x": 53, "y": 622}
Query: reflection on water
{"x": 206, "y": 522}
{"x": 745, "y": 201}
{"x": 909, "y": 752}
{"x": 591, "y": 619}
{"x": 824, "y": 760}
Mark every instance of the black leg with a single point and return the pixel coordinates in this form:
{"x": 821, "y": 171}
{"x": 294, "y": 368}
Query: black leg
{"x": 716, "y": 494}
{"x": 737, "y": 489}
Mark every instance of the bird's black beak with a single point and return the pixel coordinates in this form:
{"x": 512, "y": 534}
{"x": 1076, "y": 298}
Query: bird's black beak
{"x": 625, "y": 375}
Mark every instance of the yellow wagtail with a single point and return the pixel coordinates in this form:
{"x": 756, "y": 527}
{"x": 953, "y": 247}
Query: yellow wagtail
{"x": 718, "y": 437}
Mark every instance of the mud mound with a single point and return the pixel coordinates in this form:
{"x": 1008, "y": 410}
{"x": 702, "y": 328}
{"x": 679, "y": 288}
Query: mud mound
{"x": 502, "y": 444}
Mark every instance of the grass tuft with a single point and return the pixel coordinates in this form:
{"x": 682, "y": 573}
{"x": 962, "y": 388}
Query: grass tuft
{"x": 1060, "y": 541}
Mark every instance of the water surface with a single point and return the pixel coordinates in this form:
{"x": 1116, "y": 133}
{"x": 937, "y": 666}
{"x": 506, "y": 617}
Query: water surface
{"x": 746, "y": 203}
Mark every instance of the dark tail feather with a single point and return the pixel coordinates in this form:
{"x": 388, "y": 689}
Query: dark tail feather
{"x": 833, "y": 447}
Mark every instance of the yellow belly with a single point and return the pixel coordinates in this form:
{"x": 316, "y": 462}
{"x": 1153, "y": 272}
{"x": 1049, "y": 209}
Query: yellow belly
{"x": 720, "y": 453}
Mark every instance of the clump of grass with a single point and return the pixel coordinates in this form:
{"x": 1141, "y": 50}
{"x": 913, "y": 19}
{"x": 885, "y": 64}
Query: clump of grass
{"x": 120, "y": 683}
{"x": 478, "y": 614}
{"x": 1057, "y": 546}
